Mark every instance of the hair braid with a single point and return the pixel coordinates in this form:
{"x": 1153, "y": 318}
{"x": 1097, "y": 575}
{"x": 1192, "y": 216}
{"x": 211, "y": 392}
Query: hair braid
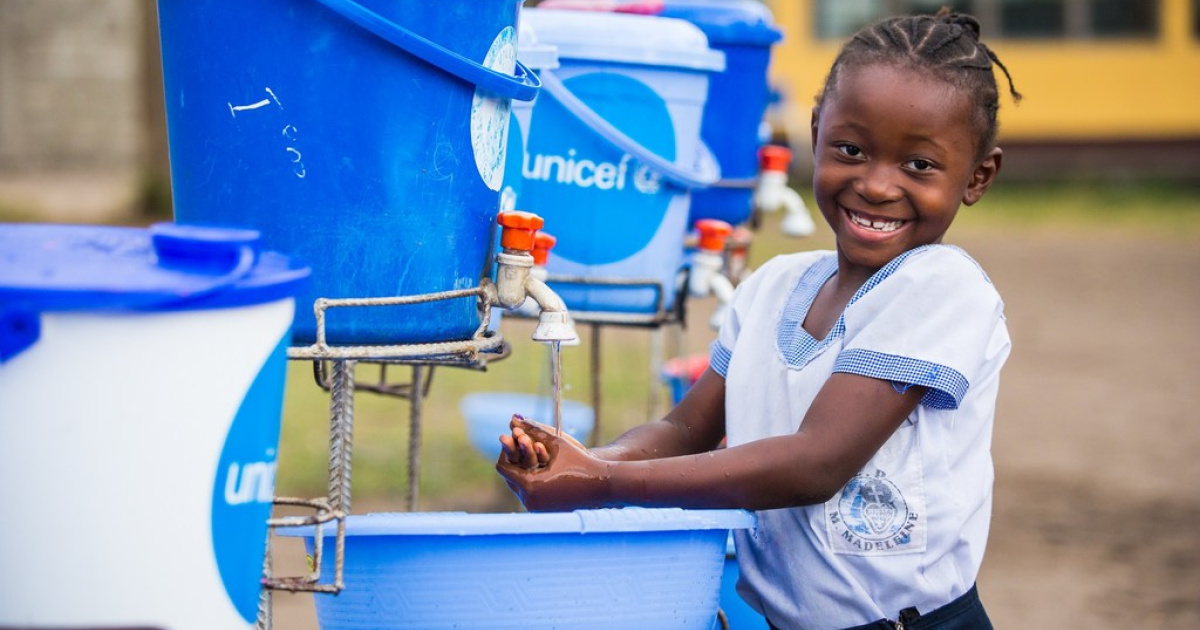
{"x": 945, "y": 45}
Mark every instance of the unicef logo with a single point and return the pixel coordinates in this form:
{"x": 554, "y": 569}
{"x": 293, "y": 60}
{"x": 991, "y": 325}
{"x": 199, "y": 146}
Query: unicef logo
{"x": 646, "y": 180}
{"x": 874, "y": 509}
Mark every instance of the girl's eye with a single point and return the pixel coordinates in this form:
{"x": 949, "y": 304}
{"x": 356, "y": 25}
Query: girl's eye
{"x": 920, "y": 165}
{"x": 849, "y": 150}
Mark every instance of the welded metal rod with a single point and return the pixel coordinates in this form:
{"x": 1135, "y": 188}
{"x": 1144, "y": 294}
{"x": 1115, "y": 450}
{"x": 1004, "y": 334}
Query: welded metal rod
{"x": 341, "y": 434}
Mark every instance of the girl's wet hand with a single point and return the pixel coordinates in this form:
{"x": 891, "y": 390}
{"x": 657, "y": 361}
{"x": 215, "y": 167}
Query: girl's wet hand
{"x": 548, "y": 472}
{"x": 520, "y": 449}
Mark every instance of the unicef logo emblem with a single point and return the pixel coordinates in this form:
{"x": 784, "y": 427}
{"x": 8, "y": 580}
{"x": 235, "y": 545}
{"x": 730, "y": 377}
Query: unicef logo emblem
{"x": 874, "y": 514}
{"x": 646, "y": 180}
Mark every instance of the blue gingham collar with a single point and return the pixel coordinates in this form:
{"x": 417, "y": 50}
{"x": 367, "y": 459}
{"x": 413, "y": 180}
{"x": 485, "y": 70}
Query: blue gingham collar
{"x": 795, "y": 344}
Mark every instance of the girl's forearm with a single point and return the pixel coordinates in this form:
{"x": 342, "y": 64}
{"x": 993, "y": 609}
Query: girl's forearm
{"x": 767, "y": 474}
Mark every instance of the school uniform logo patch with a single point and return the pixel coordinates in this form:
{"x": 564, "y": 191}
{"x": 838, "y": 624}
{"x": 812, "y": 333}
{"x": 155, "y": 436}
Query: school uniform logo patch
{"x": 882, "y": 509}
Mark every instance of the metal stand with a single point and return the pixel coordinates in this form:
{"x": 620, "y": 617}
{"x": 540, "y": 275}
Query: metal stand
{"x": 334, "y": 371}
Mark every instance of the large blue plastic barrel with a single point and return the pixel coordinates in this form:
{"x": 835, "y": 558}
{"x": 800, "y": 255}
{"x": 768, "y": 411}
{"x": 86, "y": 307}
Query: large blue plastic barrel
{"x": 613, "y": 150}
{"x": 141, "y": 391}
{"x": 367, "y": 138}
{"x": 737, "y": 99}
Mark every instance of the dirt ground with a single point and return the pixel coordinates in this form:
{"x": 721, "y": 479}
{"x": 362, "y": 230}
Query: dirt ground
{"x": 1097, "y": 508}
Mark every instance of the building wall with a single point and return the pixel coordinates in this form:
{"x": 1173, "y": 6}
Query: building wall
{"x": 71, "y": 77}
{"x": 1104, "y": 97}
{"x": 80, "y": 107}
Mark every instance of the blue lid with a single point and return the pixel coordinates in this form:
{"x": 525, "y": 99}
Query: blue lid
{"x": 728, "y": 21}
{"x": 165, "y": 267}
{"x": 625, "y": 38}
{"x": 629, "y": 519}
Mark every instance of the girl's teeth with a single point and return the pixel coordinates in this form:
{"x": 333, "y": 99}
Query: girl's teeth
{"x": 882, "y": 226}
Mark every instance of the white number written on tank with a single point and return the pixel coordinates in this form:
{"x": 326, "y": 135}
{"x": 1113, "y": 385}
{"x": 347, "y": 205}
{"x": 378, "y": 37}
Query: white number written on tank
{"x": 234, "y": 109}
{"x": 289, "y": 132}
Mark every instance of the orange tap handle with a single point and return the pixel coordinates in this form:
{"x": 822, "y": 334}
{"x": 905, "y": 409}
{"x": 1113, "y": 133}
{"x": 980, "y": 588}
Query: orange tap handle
{"x": 519, "y": 229}
{"x": 713, "y": 233}
{"x": 542, "y": 244}
{"x": 772, "y": 157}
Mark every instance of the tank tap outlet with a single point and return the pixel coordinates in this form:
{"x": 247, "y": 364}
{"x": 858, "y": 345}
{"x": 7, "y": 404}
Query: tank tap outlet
{"x": 516, "y": 280}
{"x": 707, "y": 277}
{"x": 772, "y": 192}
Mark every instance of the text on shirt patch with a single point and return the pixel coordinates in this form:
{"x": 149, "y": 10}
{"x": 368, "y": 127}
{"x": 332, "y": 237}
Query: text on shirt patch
{"x": 871, "y": 516}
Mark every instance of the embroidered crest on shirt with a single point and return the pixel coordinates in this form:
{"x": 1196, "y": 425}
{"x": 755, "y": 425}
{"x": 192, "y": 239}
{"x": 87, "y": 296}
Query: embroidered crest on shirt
{"x": 881, "y": 510}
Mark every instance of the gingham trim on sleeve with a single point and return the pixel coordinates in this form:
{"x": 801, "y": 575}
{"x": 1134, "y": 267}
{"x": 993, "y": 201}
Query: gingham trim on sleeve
{"x": 719, "y": 357}
{"x": 946, "y": 385}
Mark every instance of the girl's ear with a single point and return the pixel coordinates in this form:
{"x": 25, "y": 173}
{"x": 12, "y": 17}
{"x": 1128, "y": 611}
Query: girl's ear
{"x": 816, "y": 117}
{"x": 985, "y": 173}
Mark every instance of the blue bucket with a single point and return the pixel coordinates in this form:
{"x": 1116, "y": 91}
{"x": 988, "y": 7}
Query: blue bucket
{"x": 141, "y": 391}
{"x": 613, "y": 149}
{"x": 737, "y": 99}
{"x": 488, "y": 415}
{"x": 367, "y": 139}
{"x": 584, "y": 570}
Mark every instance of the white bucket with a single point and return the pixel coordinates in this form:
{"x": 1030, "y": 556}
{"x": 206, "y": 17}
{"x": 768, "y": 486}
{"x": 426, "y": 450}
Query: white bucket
{"x": 141, "y": 387}
{"x": 612, "y": 150}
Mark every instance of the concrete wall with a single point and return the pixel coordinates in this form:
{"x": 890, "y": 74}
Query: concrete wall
{"x": 80, "y": 107}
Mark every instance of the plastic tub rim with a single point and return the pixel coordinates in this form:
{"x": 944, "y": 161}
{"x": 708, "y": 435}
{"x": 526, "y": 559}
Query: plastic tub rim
{"x": 605, "y": 520}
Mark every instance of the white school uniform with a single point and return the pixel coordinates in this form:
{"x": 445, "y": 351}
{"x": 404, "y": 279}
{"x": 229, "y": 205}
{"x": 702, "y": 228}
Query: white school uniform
{"x": 910, "y": 528}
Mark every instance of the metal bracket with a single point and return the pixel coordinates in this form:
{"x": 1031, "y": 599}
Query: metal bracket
{"x": 310, "y": 583}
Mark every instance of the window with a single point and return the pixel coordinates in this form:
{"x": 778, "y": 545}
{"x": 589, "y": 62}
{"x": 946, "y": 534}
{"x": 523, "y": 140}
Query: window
{"x": 1033, "y": 18}
{"x": 1018, "y": 19}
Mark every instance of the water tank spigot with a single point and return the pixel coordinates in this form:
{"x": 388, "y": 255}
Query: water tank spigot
{"x": 772, "y": 192}
{"x": 516, "y": 280}
{"x": 707, "y": 262}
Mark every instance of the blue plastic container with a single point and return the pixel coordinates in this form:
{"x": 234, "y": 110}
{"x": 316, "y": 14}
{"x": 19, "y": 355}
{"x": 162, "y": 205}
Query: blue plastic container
{"x": 365, "y": 138}
{"x": 737, "y": 99}
{"x": 613, "y": 149}
{"x": 583, "y": 570}
{"x": 738, "y": 613}
{"x": 488, "y": 415}
{"x": 141, "y": 390}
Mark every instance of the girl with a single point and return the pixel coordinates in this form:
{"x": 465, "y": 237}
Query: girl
{"x": 856, "y": 388}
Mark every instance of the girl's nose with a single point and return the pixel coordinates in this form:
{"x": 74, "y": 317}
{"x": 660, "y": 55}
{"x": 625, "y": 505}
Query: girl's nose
{"x": 877, "y": 184}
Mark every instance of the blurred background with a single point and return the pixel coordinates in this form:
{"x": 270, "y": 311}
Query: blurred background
{"x": 1092, "y": 236}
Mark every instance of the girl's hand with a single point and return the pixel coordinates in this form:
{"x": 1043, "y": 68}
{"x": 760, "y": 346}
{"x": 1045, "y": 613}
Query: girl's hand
{"x": 522, "y": 450}
{"x": 551, "y": 473}
{"x": 519, "y": 449}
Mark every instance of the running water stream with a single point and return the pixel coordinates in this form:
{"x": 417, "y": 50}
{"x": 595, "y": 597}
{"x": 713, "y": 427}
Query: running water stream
{"x": 556, "y": 383}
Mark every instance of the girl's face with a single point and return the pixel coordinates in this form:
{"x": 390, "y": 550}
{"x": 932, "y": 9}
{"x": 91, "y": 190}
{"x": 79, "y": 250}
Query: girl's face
{"x": 894, "y": 155}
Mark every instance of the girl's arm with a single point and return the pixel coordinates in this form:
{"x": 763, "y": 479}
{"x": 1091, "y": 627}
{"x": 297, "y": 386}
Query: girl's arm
{"x": 848, "y": 422}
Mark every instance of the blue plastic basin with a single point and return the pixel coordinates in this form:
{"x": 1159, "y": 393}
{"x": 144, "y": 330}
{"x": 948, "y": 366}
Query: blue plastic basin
{"x": 584, "y": 570}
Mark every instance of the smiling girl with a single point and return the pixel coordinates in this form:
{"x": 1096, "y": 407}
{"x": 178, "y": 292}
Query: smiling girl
{"x": 856, "y": 388}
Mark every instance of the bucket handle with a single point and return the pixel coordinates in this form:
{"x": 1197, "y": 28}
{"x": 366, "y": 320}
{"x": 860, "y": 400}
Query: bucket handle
{"x": 522, "y": 87}
{"x": 707, "y": 172}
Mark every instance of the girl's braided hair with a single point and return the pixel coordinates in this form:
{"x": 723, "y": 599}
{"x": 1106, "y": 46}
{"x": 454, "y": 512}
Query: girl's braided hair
{"x": 945, "y": 45}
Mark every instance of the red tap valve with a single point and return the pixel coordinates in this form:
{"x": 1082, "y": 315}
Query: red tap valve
{"x": 542, "y": 244}
{"x": 519, "y": 229}
{"x": 713, "y": 233}
{"x": 773, "y": 157}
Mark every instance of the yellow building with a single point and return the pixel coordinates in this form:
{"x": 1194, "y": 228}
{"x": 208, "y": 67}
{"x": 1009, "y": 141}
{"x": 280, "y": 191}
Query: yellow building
{"x": 1106, "y": 82}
